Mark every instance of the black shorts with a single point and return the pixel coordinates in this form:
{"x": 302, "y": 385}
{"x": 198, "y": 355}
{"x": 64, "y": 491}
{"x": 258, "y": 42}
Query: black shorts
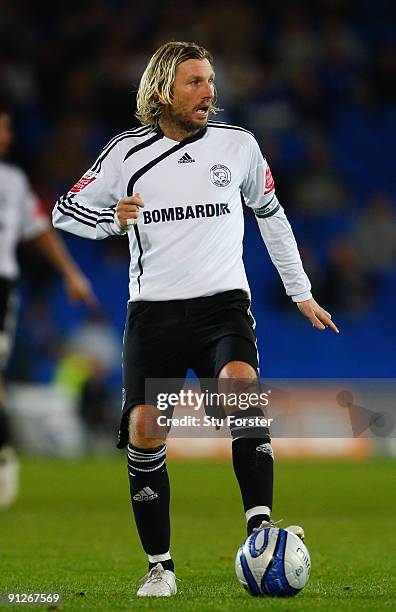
{"x": 8, "y": 312}
{"x": 165, "y": 339}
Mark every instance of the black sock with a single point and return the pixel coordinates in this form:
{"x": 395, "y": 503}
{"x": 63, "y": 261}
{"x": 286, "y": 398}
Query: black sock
{"x": 167, "y": 565}
{"x": 5, "y": 434}
{"x": 254, "y": 468}
{"x": 255, "y": 521}
{"x": 150, "y": 495}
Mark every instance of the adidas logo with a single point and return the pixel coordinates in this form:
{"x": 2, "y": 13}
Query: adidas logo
{"x": 265, "y": 448}
{"x": 186, "y": 159}
{"x": 146, "y": 494}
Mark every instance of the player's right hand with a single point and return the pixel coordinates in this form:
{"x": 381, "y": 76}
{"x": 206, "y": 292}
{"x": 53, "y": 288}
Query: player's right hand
{"x": 127, "y": 210}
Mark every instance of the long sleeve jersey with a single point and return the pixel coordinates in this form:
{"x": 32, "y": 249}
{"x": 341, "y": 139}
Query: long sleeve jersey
{"x": 21, "y": 217}
{"x": 188, "y": 240}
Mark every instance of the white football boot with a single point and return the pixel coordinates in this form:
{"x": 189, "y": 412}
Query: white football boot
{"x": 158, "y": 583}
{"x": 295, "y": 529}
{"x": 9, "y": 477}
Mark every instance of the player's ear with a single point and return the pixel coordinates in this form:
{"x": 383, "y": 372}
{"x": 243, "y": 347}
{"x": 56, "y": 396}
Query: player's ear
{"x": 159, "y": 99}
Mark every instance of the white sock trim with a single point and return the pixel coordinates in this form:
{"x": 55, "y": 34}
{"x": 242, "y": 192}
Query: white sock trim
{"x": 159, "y": 558}
{"x": 257, "y": 510}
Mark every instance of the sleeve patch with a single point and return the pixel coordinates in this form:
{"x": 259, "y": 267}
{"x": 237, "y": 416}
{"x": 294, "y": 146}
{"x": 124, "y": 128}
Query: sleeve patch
{"x": 84, "y": 181}
{"x": 39, "y": 211}
{"x": 269, "y": 182}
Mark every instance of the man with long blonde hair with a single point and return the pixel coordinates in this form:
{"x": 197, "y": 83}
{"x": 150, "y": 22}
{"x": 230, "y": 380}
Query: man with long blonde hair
{"x": 177, "y": 186}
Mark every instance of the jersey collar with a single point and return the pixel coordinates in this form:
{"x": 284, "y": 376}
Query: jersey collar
{"x": 187, "y": 140}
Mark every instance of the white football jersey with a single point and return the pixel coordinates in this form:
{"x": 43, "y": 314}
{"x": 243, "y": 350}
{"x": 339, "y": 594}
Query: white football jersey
{"x": 187, "y": 241}
{"x": 21, "y": 217}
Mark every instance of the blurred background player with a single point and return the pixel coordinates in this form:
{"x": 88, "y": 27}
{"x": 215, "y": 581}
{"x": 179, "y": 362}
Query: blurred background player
{"x": 22, "y": 219}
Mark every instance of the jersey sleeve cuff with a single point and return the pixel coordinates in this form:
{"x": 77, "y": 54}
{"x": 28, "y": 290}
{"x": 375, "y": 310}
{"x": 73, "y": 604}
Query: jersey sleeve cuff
{"x": 120, "y": 229}
{"x": 302, "y": 297}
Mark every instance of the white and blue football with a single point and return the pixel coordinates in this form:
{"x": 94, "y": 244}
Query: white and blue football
{"x": 273, "y": 562}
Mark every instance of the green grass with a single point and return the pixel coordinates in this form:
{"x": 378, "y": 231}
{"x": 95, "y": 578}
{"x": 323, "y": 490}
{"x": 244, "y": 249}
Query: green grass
{"x": 71, "y": 531}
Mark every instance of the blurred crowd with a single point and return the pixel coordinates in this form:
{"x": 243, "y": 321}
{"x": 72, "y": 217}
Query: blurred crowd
{"x": 315, "y": 82}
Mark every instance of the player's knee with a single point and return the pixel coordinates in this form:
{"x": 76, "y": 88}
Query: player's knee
{"x": 238, "y": 370}
{"x": 237, "y": 391}
{"x": 143, "y": 428}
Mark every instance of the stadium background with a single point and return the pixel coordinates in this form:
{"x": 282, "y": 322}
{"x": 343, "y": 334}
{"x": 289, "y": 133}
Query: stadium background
{"x": 314, "y": 81}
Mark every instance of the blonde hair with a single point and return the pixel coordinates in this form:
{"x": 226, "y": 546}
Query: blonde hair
{"x": 158, "y": 78}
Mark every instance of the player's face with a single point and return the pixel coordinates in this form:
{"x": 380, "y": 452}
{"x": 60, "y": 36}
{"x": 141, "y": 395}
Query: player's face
{"x": 193, "y": 92}
{"x": 6, "y": 134}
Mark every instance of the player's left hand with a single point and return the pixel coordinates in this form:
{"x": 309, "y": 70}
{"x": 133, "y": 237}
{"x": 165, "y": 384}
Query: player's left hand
{"x": 79, "y": 290}
{"x": 318, "y": 316}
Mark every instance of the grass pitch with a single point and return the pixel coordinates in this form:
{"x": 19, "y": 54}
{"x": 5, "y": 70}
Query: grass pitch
{"x": 71, "y": 531}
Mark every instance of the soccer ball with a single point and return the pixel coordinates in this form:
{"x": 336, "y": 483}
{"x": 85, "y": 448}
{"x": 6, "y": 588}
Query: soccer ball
{"x": 273, "y": 562}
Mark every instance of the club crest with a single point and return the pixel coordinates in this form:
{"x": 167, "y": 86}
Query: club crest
{"x": 220, "y": 175}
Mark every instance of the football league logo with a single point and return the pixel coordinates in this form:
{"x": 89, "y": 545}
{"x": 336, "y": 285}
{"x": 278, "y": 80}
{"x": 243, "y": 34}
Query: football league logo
{"x": 269, "y": 181}
{"x": 83, "y": 182}
{"x": 220, "y": 175}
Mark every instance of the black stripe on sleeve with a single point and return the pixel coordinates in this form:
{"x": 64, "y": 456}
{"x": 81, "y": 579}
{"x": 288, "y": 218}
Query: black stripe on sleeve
{"x": 105, "y": 220}
{"x": 69, "y": 207}
{"x": 73, "y": 216}
{"x": 81, "y": 218}
{"x": 90, "y": 214}
{"x": 103, "y": 216}
{"x": 82, "y": 210}
{"x": 106, "y": 215}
